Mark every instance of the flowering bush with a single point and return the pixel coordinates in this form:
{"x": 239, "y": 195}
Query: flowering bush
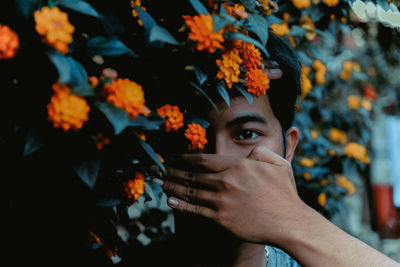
{"x": 92, "y": 92}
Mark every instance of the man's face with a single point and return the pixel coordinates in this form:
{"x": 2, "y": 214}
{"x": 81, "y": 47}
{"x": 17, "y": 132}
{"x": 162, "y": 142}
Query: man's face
{"x": 237, "y": 129}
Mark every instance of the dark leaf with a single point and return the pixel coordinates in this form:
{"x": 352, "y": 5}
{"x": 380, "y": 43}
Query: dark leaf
{"x": 196, "y": 119}
{"x": 88, "y": 171}
{"x": 160, "y": 34}
{"x": 147, "y": 20}
{"x": 201, "y": 91}
{"x": 116, "y": 116}
{"x": 224, "y": 94}
{"x": 221, "y": 21}
{"x": 259, "y": 26}
{"x": 244, "y": 92}
{"x": 27, "y": 6}
{"x": 199, "y": 7}
{"x": 80, "y": 6}
{"x": 245, "y": 38}
{"x": 200, "y": 75}
{"x": 297, "y": 31}
{"x": 32, "y": 142}
{"x": 108, "y": 46}
{"x": 151, "y": 122}
{"x": 108, "y": 202}
{"x": 152, "y": 154}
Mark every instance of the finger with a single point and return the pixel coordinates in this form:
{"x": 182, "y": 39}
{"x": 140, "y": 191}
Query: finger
{"x": 190, "y": 177}
{"x": 189, "y": 193}
{"x": 274, "y": 74}
{"x": 261, "y": 153}
{"x": 203, "y": 162}
{"x": 186, "y": 207}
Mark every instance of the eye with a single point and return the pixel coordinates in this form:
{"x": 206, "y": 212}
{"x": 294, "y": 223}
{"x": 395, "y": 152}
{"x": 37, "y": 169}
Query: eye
{"x": 246, "y": 134}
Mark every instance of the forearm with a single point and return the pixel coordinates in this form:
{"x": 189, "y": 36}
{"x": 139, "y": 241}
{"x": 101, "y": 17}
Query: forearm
{"x": 315, "y": 241}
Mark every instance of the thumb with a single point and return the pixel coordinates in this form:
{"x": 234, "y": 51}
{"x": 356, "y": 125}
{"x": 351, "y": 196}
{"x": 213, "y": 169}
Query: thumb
{"x": 263, "y": 154}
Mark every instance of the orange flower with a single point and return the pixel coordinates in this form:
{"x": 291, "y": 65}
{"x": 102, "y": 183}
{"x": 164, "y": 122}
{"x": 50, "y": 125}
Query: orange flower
{"x": 306, "y": 84}
{"x": 135, "y": 14}
{"x": 283, "y": 28}
{"x": 307, "y": 176}
{"x": 9, "y": 42}
{"x": 366, "y": 104}
{"x": 322, "y": 199}
{"x": 301, "y": 4}
{"x": 101, "y": 141}
{"x": 53, "y": 25}
{"x": 330, "y": 3}
{"x": 66, "y": 110}
{"x": 314, "y": 134}
{"x": 306, "y": 23}
{"x": 236, "y": 10}
{"x": 337, "y": 135}
{"x": 201, "y": 27}
{"x": 134, "y": 188}
{"x": 196, "y": 135}
{"x": 94, "y": 238}
{"x": 320, "y": 71}
{"x": 125, "y": 94}
{"x": 357, "y": 151}
{"x": 324, "y": 182}
{"x": 306, "y": 162}
{"x": 370, "y": 92}
{"x": 229, "y": 67}
{"x": 173, "y": 116}
{"x": 257, "y": 81}
{"x": 250, "y": 55}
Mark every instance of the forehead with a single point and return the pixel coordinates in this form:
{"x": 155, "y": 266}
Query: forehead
{"x": 240, "y": 106}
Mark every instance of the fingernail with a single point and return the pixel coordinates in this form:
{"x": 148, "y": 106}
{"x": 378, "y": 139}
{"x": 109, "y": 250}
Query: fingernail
{"x": 173, "y": 202}
{"x": 158, "y": 181}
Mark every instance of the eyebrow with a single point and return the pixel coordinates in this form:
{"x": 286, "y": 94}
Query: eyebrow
{"x": 244, "y": 118}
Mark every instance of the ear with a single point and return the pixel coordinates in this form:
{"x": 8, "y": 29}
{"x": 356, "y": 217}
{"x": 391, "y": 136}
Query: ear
{"x": 292, "y": 139}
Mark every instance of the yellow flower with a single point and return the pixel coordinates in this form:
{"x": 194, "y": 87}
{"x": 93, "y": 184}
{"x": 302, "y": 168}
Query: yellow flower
{"x": 306, "y": 23}
{"x": 301, "y": 4}
{"x": 201, "y": 27}
{"x": 53, "y": 25}
{"x": 66, "y": 110}
{"x": 357, "y": 151}
{"x": 353, "y": 102}
{"x": 9, "y": 42}
{"x": 306, "y": 162}
{"x": 307, "y": 176}
{"x": 348, "y": 67}
{"x": 324, "y": 182}
{"x": 320, "y": 71}
{"x": 280, "y": 28}
{"x": 125, "y": 94}
{"x": 306, "y": 84}
{"x": 322, "y": 199}
{"x": 345, "y": 183}
{"x": 330, "y": 3}
{"x": 229, "y": 67}
{"x": 366, "y": 104}
{"x": 314, "y": 134}
{"x": 337, "y": 135}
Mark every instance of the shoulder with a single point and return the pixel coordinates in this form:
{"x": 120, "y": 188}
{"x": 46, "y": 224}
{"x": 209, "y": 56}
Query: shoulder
{"x": 277, "y": 257}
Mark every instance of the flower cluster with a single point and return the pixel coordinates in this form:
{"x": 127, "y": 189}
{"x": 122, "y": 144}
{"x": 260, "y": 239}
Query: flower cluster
{"x": 9, "y": 42}
{"x": 196, "y": 135}
{"x": 134, "y": 188}
{"x": 357, "y": 151}
{"x": 53, "y": 25}
{"x": 173, "y": 116}
{"x": 126, "y": 94}
{"x": 67, "y": 110}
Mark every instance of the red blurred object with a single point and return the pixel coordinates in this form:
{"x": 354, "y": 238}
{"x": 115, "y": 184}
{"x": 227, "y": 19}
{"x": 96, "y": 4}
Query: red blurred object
{"x": 386, "y": 220}
{"x": 370, "y": 92}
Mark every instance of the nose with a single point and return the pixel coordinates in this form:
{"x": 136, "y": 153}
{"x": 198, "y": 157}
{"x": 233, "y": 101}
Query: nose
{"x": 222, "y": 146}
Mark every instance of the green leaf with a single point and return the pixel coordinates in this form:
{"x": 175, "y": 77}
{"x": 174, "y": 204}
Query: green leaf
{"x": 88, "y": 171}
{"x": 244, "y": 92}
{"x": 199, "y": 7}
{"x": 160, "y": 34}
{"x": 152, "y": 154}
{"x": 223, "y": 93}
{"x": 80, "y": 6}
{"x": 245, "y": 38}
{"x": 200, "y": 75}
{"x": 201, "y": 91}
{"x": 72, "y": 73}
{"x": 116, "y": 116}
{"x": 27, "y": 6}
{"x": 108, "y": 46}
{"x": 297, "y": 31}
{"x": 259, "y": 26}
